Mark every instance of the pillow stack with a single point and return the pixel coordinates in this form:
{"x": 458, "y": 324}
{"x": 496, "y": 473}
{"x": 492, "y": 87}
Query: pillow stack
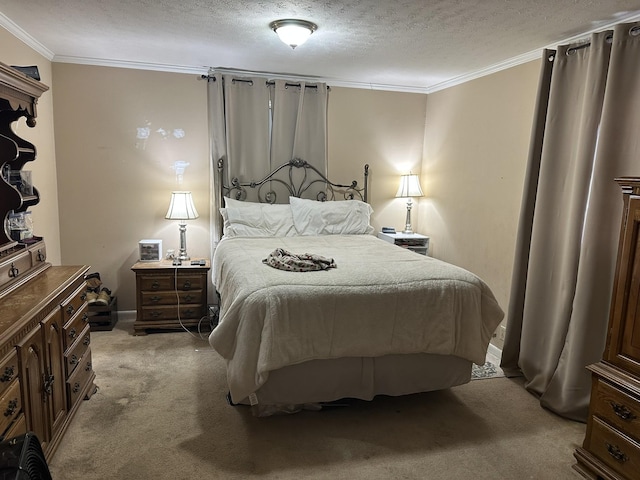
{"x": 300, "y": 217}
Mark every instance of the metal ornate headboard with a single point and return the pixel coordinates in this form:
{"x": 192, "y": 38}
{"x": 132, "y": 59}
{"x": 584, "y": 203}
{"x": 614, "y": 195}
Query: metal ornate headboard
{"x": 301, "y": 179}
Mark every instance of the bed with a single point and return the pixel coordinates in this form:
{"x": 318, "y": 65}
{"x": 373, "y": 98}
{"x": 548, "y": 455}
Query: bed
{"x": 382, "y": 321}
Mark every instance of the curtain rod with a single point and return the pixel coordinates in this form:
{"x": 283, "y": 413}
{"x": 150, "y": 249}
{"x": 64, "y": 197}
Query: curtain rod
{"x": 211, "y": 78}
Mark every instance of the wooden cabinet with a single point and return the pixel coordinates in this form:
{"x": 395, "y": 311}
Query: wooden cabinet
{"x": 20, "y": 258}
{"x": 43, "y": 312}
{"x": 170, "y": 297}
{"x": 611, "y": 449}
{"x": 41, "y": 328}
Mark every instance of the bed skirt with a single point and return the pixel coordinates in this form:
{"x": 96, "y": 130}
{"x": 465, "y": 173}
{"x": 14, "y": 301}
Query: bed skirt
{"x": 310, "y": 384}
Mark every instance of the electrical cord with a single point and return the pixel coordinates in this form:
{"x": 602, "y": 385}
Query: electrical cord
{"x": 184, "y": 327}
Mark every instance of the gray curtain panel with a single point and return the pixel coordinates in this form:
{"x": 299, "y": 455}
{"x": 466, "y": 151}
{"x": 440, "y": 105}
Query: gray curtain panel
{"x": 584, "y": 136}
{"x": 256, "y": 125}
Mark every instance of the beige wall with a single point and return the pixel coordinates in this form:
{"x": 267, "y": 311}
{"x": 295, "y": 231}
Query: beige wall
{"x": 45, "y": 214}
{"x": 115, "y": 187}
{"x": 476, "y": 146}
{"x": 383, "y": 129}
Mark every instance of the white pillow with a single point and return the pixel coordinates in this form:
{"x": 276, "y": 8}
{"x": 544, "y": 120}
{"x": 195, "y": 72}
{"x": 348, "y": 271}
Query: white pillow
{"x": 348, "y": 217}
{"x": 258, "y": 220}
{"x": 232, "y": 202}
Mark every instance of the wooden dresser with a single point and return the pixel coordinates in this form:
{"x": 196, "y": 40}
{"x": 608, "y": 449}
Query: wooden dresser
{"x": 170, "y": 297}
{"x": 45, "y": 366}
{"x": 611, "y": 449}
{"x": 45, "y": 353}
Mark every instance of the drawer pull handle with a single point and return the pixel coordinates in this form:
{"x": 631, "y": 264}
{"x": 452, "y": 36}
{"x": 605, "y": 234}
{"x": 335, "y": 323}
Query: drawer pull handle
{"x": 186, "y": 285}
{"x": 623, "y": 412}
{"x": 72, "y": 333}
{"x": 155, "y": 298}
{"x": 188, "y": 312}
{"x": 156, "y": 314}
{"x": 74, "y": 360}
{"x": 83, "y": 297}
{"x": 86, "y": 341}
{"x": 8, "y": 374}
{"x": 188, "y": 298}
{"x": 70, "y": 309}
{"x": 12, "y": 406}
{"x": 13, "y": 271}
{"x": 88, "y": 367}
{"x": 76, "y": 387}
{"x": 85, "y": 317}
{"x": 616, "y": 453}
{"x": 40, "y": 256}
{"x": 48, "y": 384}
{"x": 155, "y": 285}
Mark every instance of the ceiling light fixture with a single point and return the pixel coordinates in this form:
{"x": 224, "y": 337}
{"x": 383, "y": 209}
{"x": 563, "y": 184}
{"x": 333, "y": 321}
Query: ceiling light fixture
{"x": 293, "y": 32}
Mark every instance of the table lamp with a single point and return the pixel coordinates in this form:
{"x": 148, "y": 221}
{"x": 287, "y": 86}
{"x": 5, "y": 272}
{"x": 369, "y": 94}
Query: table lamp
{"x": 182, "y": 208}
{"x": 409, "y": 187}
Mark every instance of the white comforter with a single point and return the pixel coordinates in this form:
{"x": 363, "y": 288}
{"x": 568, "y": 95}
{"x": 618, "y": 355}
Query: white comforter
{"x": 381, "y": 299}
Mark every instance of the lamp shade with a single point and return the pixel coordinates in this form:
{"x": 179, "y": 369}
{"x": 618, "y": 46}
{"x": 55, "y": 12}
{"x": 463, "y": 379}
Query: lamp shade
{"x": 293, "y": 32}
{"x": 181, "y": 207}
{"x": 409, "y": 186}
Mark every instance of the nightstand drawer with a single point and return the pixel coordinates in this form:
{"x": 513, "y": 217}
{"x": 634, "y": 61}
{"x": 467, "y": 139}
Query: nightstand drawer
{"x": 616, "y": 407}
{"x": 171, "y": 312}
{"x": 170, "y": 298}
{"x": 615, "y": 449}
{"x": 158, "y": 283}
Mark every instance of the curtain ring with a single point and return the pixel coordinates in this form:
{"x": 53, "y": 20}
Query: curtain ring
{"x": 551, "y": 57}
{"x": 634, "y": 31}
{"x": 609, "y": 38}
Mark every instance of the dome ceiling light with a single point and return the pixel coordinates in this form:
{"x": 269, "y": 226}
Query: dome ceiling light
{"x": 293, "y": 32}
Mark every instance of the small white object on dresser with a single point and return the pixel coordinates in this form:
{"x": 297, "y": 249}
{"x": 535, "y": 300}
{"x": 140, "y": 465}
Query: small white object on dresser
{"x": 412, "y": 241}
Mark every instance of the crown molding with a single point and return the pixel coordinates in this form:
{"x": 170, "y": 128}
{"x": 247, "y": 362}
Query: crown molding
{"x": 158, "y": 67}
{"x": 19, "y": 33}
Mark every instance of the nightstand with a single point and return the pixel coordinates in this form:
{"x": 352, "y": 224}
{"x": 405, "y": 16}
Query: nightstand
{"x": 412, "y": 241}
{"x": 170, "y": 297}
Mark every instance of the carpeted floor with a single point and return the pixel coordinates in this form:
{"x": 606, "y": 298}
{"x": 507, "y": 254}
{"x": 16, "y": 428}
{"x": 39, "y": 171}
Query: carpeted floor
{"x": 160, "y": 413}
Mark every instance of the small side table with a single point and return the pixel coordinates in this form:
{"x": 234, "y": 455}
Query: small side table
{"x": 412, "y": 241}
{"x": 170, "y": 297}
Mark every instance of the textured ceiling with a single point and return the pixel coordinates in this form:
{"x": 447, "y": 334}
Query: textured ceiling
{"x": 415, "y": 45}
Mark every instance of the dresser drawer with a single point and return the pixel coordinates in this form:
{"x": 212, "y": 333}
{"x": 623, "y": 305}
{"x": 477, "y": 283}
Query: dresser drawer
{"x": 171, "y": 312}
{"x": 616, "y": 407}
{"x": 19, "y": 427}
{"x": 74, "y": 303}
{"x": 156, "y": 283}
{"x": 73, "y": 355}
{"x": 615, "y": 449}
{"x": 38, "y": 253}
{"x": 79, "y": 379}
{"x": 10, "y": 405}
{"x": 8, "y": 370}
{"x": 72, "y": 329}
{"x": 12, "y": 269}
{"x": 170, "y": 298}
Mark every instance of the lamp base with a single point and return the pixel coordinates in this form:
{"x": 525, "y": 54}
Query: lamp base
{"x": 182, "y": 254}
{"x": 407, "y": 224}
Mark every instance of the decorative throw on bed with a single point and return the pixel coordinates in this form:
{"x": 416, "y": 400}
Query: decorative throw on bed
{"x": 306, "y": 262}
